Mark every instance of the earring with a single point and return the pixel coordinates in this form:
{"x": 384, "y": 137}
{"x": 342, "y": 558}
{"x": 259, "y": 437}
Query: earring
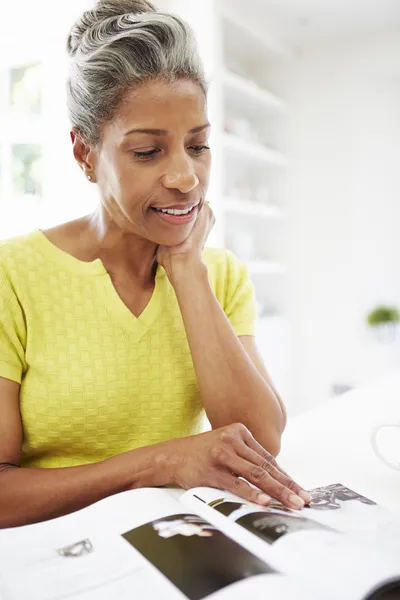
{"x": 89, "y": 177}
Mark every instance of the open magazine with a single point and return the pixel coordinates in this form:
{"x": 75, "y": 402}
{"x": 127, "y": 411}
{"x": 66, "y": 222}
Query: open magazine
{"x": 145, "y": 544}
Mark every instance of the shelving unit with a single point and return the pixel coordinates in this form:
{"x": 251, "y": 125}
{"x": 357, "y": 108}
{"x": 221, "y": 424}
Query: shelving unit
{"x": 251, "y": 93}
{"x": 266, "y": 267}
{"x": 252, "y": 166}
{"x": 247, "y": 150}
{"x": 251, "y": 120}
{"x": 254, "y": 209}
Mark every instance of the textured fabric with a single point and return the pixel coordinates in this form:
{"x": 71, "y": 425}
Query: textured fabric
{"x": 95, "y": 380}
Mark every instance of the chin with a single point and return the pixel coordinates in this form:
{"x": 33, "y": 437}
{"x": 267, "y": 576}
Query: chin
{"x": 173, "y": 238}
{"x": 171, "y": 241}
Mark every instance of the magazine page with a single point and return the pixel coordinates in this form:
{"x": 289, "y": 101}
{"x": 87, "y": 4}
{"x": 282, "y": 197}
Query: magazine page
{"x": 204, "y": 562}
{"x": 307, "y": 545}
{"x": 345, "y": 510}
{"x": 334, "y": 506}
{"x": 343, "y": 562}
{"x": 82, "y": 554}
{"x": 138, "y": 544}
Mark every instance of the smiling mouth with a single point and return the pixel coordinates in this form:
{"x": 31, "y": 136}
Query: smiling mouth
{"x": 175, "y": 211}
{"x": 176, "y": 216}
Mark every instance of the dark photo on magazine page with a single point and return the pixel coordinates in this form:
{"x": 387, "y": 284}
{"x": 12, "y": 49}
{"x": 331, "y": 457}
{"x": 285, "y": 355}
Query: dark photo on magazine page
{"x": 269, "y": 524}
{"x": 330, "y": 497}
{"x": 388, "y": 591}
{"x": 198, "y": 559}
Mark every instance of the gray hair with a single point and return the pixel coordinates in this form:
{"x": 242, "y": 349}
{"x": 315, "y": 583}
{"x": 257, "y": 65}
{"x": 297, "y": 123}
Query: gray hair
{"x": 120, "y": 44}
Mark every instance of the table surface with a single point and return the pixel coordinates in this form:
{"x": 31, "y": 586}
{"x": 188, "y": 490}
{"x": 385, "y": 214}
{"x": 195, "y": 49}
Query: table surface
{"x": 331, "y": 443}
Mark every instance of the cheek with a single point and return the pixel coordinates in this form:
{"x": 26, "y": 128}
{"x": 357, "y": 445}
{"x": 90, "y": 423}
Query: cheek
{"x": 127, "y": 185}
{"x": 203, "y": 172}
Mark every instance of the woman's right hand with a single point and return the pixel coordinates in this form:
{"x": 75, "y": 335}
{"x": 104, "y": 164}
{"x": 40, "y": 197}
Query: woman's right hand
{"x": 230, "y": 458}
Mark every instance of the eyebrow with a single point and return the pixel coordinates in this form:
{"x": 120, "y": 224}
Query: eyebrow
{"x": 165, "y": 131}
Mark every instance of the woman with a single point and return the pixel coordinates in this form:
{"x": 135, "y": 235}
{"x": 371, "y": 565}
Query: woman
{"x": 117, "y": 329}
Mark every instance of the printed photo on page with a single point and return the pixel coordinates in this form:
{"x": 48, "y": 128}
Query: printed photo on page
{"x": 196, "y": 557}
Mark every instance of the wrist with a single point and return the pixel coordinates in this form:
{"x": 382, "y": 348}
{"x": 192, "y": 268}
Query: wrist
{"x": 181, "y": 268}
{"x": 150, "y": 466}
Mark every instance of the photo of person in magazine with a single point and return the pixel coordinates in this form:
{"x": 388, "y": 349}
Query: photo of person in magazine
{"x": 268, "y": 524}
{"x": 330, "y": 497}
{"x": 275, "y": 520}
{"x": 212, "y": 560}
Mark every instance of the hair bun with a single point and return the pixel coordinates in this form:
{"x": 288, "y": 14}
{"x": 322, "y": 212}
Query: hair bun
{"x": 104, "y": 9}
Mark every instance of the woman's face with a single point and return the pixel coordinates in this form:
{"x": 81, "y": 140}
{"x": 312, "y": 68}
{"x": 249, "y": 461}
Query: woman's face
{"x": 154, "y": 155}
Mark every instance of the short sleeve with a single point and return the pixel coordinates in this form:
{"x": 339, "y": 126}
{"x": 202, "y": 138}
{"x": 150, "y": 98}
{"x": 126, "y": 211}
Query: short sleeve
{"x": 12, "y": 331}
{"x": 240, "y": 302}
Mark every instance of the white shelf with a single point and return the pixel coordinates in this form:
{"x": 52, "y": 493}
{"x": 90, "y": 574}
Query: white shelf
{"x": 265, "y": 267}
{"x": 256, "y": 209}
{"x": 253, "y": 150}
{"x": 247, "y": 91}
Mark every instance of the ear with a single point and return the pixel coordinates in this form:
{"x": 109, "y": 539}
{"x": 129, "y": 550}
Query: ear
{"x": 83, "y": 152}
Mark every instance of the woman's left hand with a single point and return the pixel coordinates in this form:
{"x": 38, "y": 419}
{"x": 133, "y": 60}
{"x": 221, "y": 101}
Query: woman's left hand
{"x": 193, "y": 246}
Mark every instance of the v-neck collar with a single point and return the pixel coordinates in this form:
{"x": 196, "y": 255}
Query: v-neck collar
{"x": 137, "y": 326}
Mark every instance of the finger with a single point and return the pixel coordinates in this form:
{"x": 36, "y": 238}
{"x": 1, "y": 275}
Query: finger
{"x": 263, "y": 480}
{"x": 266, "y": 457}
{"x": 267, "y": 465}
{"x": 262, "y": 458}
{"x": 241, "y": 488}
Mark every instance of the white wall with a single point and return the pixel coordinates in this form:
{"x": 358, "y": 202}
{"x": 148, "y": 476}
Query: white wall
{"x": 344, "y": 205}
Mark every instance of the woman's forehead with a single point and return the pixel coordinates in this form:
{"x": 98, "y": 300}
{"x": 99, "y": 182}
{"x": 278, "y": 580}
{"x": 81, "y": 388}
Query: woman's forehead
{"x": 159, "y": 104}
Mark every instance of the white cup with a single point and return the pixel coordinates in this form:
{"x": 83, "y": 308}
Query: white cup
{"x": 392, "y": 463}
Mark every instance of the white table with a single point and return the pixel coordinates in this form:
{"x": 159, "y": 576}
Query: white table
{"x": 331, "y": 443}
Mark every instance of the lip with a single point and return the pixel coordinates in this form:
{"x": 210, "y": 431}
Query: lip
{"x": 177, "y": 207}
{"x": 178, "y": 219}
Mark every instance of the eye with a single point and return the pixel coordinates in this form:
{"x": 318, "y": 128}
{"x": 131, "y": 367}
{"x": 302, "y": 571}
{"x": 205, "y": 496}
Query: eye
{"x": 199, "y": 149}
{"x": 147, "y": 153}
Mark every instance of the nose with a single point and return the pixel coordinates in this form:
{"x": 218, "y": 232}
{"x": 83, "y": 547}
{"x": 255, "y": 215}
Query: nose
{"x": 181, "y": 175}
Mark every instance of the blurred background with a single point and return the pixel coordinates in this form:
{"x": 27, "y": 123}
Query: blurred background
{"x": 305, "y": 108}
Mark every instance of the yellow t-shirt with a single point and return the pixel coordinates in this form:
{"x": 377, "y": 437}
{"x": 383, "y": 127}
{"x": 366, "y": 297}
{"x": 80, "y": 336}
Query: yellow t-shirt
{"x": 96, "y": 380}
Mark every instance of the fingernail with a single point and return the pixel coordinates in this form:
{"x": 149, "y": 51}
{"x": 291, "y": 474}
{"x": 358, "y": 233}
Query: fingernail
{"x": 264, "y": 499}
{"x": 306, "y": 496}
{"x": 296, "y": 501}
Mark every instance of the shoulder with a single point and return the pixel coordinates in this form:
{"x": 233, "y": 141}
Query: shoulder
{"x": 18, "y": 244}
{"x": 226, "y": 272}
{"x": 16, "y": 254}
{"x": 220, "y": 257}
{"x": 223, "y": 263}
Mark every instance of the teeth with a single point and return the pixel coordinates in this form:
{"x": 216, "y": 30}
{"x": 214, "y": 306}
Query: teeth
{"x": 172, "y": 211}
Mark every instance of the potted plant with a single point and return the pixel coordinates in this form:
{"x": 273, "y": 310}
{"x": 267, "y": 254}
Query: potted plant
{"x": 385, "y": 322}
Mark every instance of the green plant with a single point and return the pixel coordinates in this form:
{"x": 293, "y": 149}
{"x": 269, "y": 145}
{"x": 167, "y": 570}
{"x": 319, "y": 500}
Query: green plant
{"x": 383, "y": 314}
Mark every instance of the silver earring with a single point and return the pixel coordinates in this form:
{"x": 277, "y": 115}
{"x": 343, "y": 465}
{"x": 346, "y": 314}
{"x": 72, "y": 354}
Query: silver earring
{"x": 89, "y": 177}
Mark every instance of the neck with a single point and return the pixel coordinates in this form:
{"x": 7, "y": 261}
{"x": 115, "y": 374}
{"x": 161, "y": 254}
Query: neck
{"x": 121, "y": 252}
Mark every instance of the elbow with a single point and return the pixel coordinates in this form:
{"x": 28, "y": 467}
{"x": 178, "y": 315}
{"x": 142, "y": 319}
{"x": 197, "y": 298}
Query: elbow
{"x": 7, "y": 507}
{"x": 270, "y": 440}
{"x": 284, "y": 418}
{"x": 273, "y": 436}
{"x": 274, "y": 445}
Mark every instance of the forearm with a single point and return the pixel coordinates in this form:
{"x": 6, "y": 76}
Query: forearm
{"x": 231, "y": 387}
{"x": 30, "y": 495}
